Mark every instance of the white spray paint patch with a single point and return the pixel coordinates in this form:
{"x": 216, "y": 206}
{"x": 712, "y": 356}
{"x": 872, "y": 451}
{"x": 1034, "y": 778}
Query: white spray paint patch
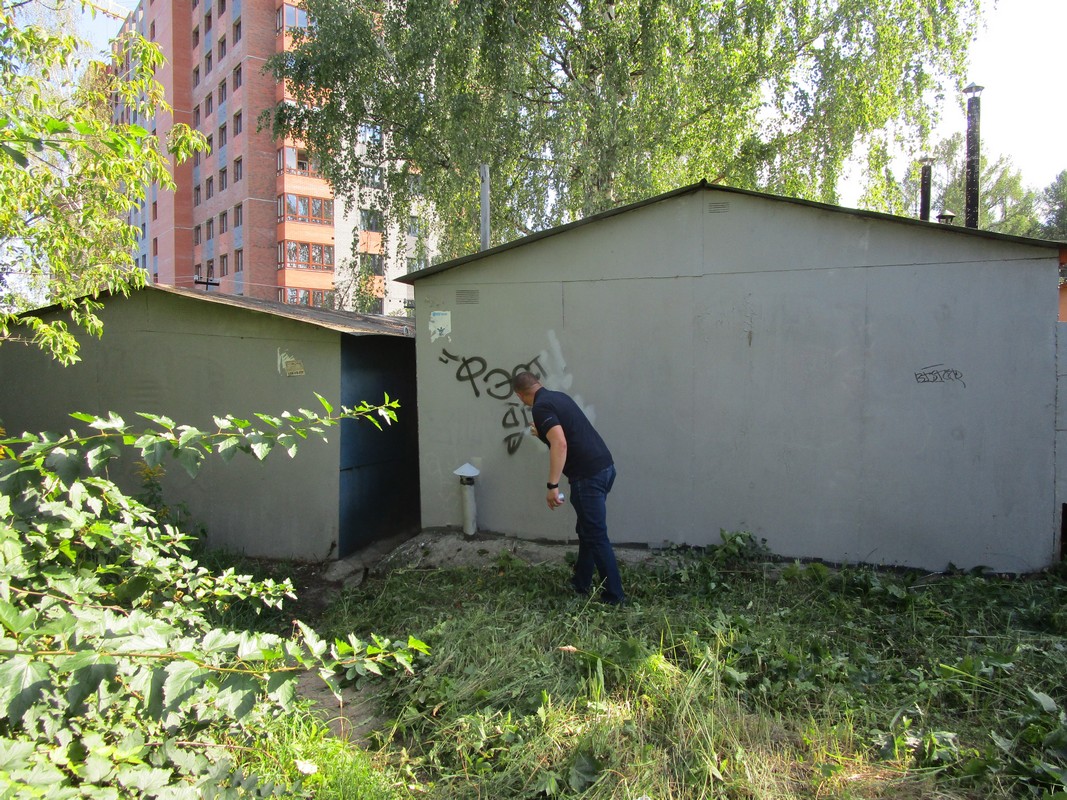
{"x": 557, "y": 378}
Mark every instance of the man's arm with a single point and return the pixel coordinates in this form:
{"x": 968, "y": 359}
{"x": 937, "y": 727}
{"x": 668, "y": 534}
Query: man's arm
{"x": 557, "y": 457}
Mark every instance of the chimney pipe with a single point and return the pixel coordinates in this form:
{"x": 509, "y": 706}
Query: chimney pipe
{"x": 925, "y": 182}
{"x": 483, "y": 171}
{"x": 974, "y": 112}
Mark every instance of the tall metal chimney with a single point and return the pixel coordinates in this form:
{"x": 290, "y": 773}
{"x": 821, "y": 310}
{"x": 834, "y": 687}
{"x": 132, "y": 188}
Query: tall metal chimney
{"x": 925, "y": 182}
{"x": 974, "y": 112}
{"x": 483, "y": 172}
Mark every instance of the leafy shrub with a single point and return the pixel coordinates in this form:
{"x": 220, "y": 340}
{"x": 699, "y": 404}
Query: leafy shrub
{"x": 113, "y": 681}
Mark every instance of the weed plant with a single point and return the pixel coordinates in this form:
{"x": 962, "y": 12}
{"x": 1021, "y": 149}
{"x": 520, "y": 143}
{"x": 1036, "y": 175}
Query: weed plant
{"x": 727, "y": 676}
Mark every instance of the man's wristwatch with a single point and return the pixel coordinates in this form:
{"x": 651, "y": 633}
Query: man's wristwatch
{"x": 553, "y": 485}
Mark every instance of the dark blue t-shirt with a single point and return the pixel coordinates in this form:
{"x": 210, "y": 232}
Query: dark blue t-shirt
{"x": 586, "y": 452}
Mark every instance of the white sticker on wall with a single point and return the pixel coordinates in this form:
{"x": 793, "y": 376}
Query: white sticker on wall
{"x": 440, "y": 324}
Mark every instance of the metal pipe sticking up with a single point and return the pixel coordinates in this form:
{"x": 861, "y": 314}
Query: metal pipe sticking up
{"x": 483, "y": 171}
{"x": 467, "y": 473}
{"x": 974, "y": 113}
{"x": 925, "y": 182}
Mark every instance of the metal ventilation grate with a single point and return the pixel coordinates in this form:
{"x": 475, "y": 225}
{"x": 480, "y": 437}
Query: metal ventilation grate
{"x": 467, "y": 297}
{"x": 717, "y": 207}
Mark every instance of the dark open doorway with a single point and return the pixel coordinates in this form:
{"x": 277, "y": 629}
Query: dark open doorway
{"x": 379, "y": 469}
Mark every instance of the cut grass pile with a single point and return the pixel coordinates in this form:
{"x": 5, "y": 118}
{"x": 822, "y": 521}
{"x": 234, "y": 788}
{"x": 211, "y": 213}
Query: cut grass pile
{"x": 727, "y": 676}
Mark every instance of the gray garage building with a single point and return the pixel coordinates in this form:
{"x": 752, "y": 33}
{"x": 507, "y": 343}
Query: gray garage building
{"x": 190, "y": 356}
{"x": 847, "y": 385}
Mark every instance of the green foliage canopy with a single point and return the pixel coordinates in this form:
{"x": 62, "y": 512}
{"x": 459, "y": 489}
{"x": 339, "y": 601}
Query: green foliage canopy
{"x": 114, "y": 680}
{"x": 1054, "y": 199}
{"x": 71, "y": 175}
{"x": 578, "y": 106}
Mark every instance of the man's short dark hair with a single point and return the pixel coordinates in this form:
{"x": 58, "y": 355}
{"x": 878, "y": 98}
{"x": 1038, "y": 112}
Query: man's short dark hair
{"x": 524, "y": 381}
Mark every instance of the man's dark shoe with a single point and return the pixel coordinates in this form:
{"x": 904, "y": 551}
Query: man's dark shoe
{"x": 577, "y": 590}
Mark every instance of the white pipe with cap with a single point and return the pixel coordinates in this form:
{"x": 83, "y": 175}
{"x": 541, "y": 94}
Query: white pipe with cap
{"x": 467, "y": 473}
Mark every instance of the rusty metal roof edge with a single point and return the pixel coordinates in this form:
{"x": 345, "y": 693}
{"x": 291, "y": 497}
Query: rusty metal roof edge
{"x": 348, "y": 322}
{"x": 412, "y": 277}
{"x": 342, "y": 321}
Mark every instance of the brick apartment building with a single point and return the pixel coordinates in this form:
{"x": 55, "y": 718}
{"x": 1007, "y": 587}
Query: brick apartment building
{"x": 251, "y": 216}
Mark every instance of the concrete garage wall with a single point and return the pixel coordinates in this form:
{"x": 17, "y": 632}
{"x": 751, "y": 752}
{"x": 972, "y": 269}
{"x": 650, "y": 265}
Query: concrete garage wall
{"x": 189, "y": 360}
{"x": 843, "y": 385}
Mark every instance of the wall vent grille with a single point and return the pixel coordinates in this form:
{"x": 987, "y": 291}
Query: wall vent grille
{"x": 717, "y": 207}
{"x": 467, "y": 297}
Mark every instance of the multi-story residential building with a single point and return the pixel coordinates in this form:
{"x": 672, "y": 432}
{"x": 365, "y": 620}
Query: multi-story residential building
{"x": 251, "y": 216}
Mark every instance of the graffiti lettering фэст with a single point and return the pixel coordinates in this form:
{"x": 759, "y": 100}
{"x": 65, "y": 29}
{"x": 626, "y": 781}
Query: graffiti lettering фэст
{"x": 496, "y": 383}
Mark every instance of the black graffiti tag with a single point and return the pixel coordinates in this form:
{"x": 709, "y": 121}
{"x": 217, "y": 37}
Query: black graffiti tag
{"x": 497, "y": 382}
{"x": 935, "y": 374}
{"x": 512, "y": 420}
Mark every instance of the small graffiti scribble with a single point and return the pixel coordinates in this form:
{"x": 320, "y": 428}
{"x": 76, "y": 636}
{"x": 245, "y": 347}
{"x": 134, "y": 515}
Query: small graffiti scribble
{"x": 937, "y": 373}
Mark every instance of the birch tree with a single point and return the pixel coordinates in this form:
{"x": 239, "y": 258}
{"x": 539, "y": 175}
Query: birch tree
{"x": 581, "y": 105}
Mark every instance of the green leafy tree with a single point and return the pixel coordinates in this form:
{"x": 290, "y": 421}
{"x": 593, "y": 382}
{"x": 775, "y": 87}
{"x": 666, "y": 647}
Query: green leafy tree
{"x": 580, "y": 105}
{"x": 1054, "y": 200}
{"x": 71, "y": 175}
{"x": 114, "y": 680}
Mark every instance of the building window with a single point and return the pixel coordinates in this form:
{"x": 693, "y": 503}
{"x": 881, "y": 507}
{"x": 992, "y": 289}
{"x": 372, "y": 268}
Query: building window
{"x": 238, "y": 169}
{"x": 222, "y": 135}
{"x": 196, "y": 37}
{"x": 305, "y": 255}
{"x": 196, "y": 76}
{"x": 222, "y": 179}
{"x": 209, "y": 104}
{"x": 209, "y": 230}
{"x": 155, "y": 247}
{"x": 222, "y": 47}
{"x": 198, "y": 272}
{"x": 299, "y": 297}
{"x": 152, "y": 31}
{"x": 372, "y": 263}
{"x": 196, "y": 234}
{"x": 209, "y": 188}
{"x": 211, "y": 269}
{"x": 370, "y": 219}
{"x": 413, "y": 226}
{"x": 210, "y": 144}
{"x": 236, "y": 32}
{"x": 370, "y": 134}
{"x": 299, "y": 208}
{"x": 296, "y": 161}
{"x": 290, "y": 17}
{"x": 222, "y": 7}
{"x": 238, "y": 260}
{"x": 222, "y": 91}
{"x": 224, "y": 222}
{"x": 196, "y": 117}
{"x": 196, "y": 195}
{"x": 372, "y": 178}
{"x": 224, "y": 265}
{"x": 207, "y": 22}
{"x": 209, "y": 60}
{"x": 417, "y": 263}
{"x": 155, "y": 210}
{"x": 237, "y": 77}
{"x": 238, "y": 215}
{"x": 238, "y": 123}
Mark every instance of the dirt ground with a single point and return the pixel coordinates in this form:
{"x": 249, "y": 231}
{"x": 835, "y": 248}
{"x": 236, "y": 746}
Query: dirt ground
{"x": 353, "y": 718}
{"x": 441, "y": 548}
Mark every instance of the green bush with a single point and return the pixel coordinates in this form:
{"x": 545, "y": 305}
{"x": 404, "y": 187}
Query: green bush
{"x": 114, "y": 682}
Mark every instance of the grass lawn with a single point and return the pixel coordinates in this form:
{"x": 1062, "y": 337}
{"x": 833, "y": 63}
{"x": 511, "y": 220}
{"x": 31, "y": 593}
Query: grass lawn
{"x": 728, "y": 675}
